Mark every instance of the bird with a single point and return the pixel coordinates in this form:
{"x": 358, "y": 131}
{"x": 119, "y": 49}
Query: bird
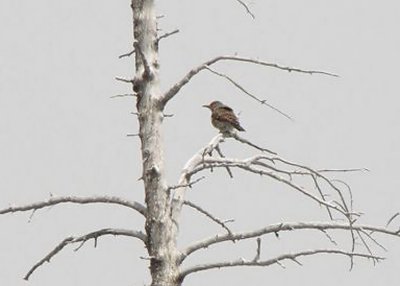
{"x": 223, "y": 118}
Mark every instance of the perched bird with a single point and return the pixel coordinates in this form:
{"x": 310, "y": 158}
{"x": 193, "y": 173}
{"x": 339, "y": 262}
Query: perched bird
{"x": 223, "y": 117}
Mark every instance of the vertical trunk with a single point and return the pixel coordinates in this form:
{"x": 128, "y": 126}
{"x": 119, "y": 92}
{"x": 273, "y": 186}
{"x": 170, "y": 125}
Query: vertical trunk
{"x": 161, "y": 244}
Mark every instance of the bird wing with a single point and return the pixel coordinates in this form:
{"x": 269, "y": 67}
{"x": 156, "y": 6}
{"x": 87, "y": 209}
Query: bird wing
{"x": 226, "y": 114}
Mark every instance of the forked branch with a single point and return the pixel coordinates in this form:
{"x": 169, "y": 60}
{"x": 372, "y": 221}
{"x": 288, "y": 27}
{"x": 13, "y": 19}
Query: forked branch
{"x": 82, "y": 239}
{"x": 279, "y": 227}
{"x": 184, "y": 180}
{"x": 276, "y": 260}
{"x": 177, "y": 86}
{"x": 254, "y": 164}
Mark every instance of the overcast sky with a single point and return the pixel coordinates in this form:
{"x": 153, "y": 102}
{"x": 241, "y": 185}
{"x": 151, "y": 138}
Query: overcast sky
{"x": 61, "y": 134}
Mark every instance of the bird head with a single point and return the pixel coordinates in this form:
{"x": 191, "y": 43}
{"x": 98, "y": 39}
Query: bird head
{"x": 213, "y": 105}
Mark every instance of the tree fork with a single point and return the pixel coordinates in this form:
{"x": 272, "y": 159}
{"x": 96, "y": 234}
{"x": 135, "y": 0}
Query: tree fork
{"x": 161, "y": 233}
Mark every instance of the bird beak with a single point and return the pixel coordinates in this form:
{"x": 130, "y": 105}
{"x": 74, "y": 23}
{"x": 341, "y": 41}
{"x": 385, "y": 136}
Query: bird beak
{"x": 206, "y": 106}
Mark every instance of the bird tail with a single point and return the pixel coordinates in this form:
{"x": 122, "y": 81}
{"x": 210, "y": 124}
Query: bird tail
{"x": 238, "y": 127}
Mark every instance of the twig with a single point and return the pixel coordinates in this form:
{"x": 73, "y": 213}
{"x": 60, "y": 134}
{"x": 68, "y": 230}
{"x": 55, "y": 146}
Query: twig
{"x": 124, "y": 80}
{"x": 122, "y": 95}
{"x": 344, "y": 170}
{"x": 237, "y": 85}
{"x": 93, "y": 235}
{"x": 247, "y": 8}
{"x": 392, "y": 218}
{"x": 258, "y": 253}
{"x": 373, "y": 239}
{"x": 166, "y": 35}
{"x": 209, "y": 215}
{"x": 77, "y": 200}
{"x": 189, "y": 184}
{"x": 31, "y": 216}
{"x": 127, "y": 54}
{"x": 317, "y": 186}
{"x": 222, "y": 156}
{"x": 329, "y": 237}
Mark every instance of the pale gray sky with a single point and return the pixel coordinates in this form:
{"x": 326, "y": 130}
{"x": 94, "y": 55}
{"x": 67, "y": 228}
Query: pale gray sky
{"x": 63, "y": 135}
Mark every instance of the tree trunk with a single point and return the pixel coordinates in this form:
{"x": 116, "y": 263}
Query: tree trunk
{"x": 161, "y": 243}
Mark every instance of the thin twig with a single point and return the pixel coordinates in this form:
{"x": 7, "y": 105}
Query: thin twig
{"x": 166, "y": 35}
{"x": 247, "y": 8}
{"x": 124, "y": 80}
{"x": 222, "y": 156}
{"x": 240, "y": 87}
{"x": 344, "y": 170}
{"x": 209, "y": 215}
{"x": 373, "y": 239}
{"x": 127, "y": 54}
{"x": 122, "y": 95}
{"x": 189, "y": 184}
{"x": 317, "y": 186}
{"x": 258, "y": 253}
{"x": 392, "y": 218}
{"x": 329, "y": 237}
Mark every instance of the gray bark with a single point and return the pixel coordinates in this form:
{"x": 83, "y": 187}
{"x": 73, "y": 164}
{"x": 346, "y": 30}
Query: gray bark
{"x": 161, "y": 233}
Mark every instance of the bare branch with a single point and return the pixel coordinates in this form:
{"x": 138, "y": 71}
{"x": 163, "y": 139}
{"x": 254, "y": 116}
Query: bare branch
{"x": 258, "y": 253}
{"x": 209, "y": 215}
{"x": 177, "y": 86}
{"x": 246, "y": 164}
{"x": 189, "y": 184}
{"x": 373, "y": 239}
{"x": 186, "y": 173}
{"x": 237, "y": 85}
{"x": 275, "y": 260}
{"x": 93, "y": 235}
{"x": 329, "y": 237}
{"x": 245, "y": 141}
{"x": 392, "y": 218}
{"x": 127, "y": 54}
{"x": 77, "y": 200}
{"x": 247, "y": 8}
{"x": 276, "y": 228}
{"x": 166, "y": 35}
{"x": 317, "y": 186}
{"x": 222, "y": 156}
{"x": 123, "y": 95}
{"x": 343, "y": 170}
{"x": 124, "y": 80}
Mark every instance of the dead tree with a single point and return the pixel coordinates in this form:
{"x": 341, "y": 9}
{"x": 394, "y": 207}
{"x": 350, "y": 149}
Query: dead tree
{"x": 164, "y": 201}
